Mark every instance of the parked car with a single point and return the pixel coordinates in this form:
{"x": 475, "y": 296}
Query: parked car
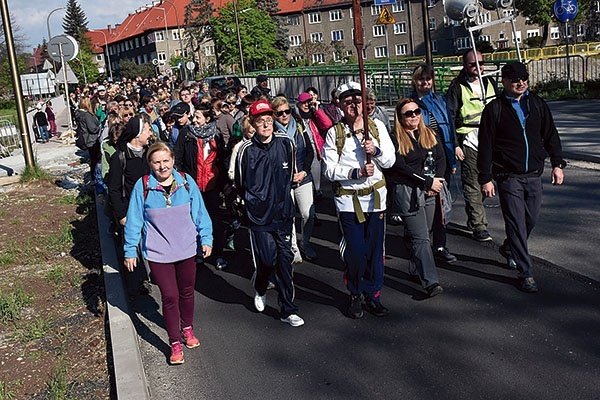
{"x": 223, "y": 82}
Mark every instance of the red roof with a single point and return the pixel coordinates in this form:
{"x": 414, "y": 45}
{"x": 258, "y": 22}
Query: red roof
{"x": 36, "y": 58}
{"x": 98, "y": 39}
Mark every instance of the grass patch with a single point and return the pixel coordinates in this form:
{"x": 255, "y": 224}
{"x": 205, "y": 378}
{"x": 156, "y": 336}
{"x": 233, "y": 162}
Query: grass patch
{"x": 15, "y": 221}
{"x": 55, "y": 275}
{"x": 60, "y": 240}
{"x": 58, "y": 387}
{"x": 37, "y": 329}
{"x": 7, "y": 258}
{"x": 34, "y": 173}
{"x": 7, "y": 389}
{"x": 12, "y": 303}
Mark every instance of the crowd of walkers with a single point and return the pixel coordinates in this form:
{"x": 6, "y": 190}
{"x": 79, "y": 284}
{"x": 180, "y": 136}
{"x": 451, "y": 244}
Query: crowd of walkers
{"x": 180, "y": 167}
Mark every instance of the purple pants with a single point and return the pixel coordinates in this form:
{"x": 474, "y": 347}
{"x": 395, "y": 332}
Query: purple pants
{"x": 176, "y": 282}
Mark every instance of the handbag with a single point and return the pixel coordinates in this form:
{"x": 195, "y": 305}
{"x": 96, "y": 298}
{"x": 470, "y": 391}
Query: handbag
{"x": 446, "y": 203}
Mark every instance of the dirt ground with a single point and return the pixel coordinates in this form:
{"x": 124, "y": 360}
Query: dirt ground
{"x": 53, "y": 328}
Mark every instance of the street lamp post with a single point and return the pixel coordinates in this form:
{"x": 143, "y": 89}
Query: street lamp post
{"x": 237, "y": 27}
{"x": 166, "y": 36}
{"x": 179, "y": 30}
{"x": 50, "y": 35}
{"x": 107, "y": 52}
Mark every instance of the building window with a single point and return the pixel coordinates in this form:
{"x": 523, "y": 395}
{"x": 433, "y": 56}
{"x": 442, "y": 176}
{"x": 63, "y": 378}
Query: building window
{"x": 126, "y": 45}
{"x": 432, "y": 24}
{"x": 375, "y": 9}
{"x": 378, "y": 30}
{"x": 145, "y": 58}
{"x": 431, "y": 3}
{"x": 485, "y": 38}
{"x": 295, "y": 40}
{"x": 401, "y": 49}
{"x": 297, "y": 58}
{"x": 448, "y": 22}
{"x": 137, "y": 42}
{"x": 507, "y": 13}
{"x": 209, "y": 51}
{"x": 580, "y": 30}
{"x": 518, "y": 37}
{"x": 161, "y": 55}
{"x": 399, "y": 28}
{"x": 316, "y": 37}
{"x": 138, "y": 60}
{"x": 178, "y": 53}
{"x": 159, "y": 36}
{"x": 502, "y": 36}
{"x": 176, "y": 34}
{"x": 294, "y": 20}
{"x": 337, "y": 57}
{"x": 398, "y": 6}
{"x": 380, "y": 52}
{"x": 143, "y": 40}
{"x": 335, "y": 15}
{"x": 337, "y": 36}
{"x": 533, "y": 33}
{"x": 434, "y": 48}
{"x": 318, "y": 58}
{"x": 99, "y": 57}
{"x": 314, "y": 18}
{"x": 462, "y": 43}
{"x": 485, "y": 17}
{"x": 349, "y": 53}
{"x": 554, "y": 33}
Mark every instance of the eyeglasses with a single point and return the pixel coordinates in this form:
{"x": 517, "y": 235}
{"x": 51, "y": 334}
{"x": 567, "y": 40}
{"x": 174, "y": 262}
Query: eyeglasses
{"x": 185, "y": 94}
{"x": 164, "y": 109}
{"x": 521, "y": 78}
{"x": 281, "y": 113}
{"x": 355, "y": 100}
{"x": 128, "y": 104}
{"x": 129, "y": 115}
{"x": 412, "y": 113}
{"x": 264, "y": 121}
{"x": 481, "y": 63}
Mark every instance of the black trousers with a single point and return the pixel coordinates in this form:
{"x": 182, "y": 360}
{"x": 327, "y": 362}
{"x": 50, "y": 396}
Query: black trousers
{"x": 521, "y": 201}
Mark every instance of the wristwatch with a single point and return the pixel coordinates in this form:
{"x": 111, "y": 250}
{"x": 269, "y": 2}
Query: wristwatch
{"x": 561, "y": 164}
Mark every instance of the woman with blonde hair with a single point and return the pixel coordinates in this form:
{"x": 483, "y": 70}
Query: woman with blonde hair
{"x": 417, "y": 176}
{"x": 88, "y": 127}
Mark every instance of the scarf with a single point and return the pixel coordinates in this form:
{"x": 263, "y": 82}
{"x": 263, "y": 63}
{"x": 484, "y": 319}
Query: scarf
{"x": 205, "y": 132}
{"x": 291, "y": 129}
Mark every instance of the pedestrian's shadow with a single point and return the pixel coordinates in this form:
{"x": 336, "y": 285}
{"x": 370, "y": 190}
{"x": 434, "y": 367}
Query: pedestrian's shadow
{"x": 316, "y": 291}
{"x": 216, "y": 287}
{"x": 147, "y": 306}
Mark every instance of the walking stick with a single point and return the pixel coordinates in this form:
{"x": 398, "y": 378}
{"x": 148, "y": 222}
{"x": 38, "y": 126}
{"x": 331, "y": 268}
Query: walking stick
{"x": 358, "y": 43}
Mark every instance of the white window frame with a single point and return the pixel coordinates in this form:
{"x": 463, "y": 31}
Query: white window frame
{"x": 432, "y": 24}
{"x": 337, "y": 35}
{"x": 294, "y": 20}
{"x": 485, "y": 17}
{"x": 209, "y": 51}
{"x": 295, "y": 40}
{"x": 161, "y": 56}
{"x": 376, "y": 9}
{"x": 485, "y": 38}
{"x": 99, "y": 57}
{"x": 533, "y": 33}
{"x": 398, "y": 6}
{"x": 175, "y": 34}
{"x": 400, "y": 28}
{"x": 316, "y": 37}
{"x": 434, "y": 47}
{"x": 554, "y": 33}
{"x": 380, "y": 52}
{"x": 463, "y": 43}
{"x": 314, "y": 18}
{"x": 378, "y": 30}
{"x": 401, "y": 49}
{"x": 317, "y": 58}
{"x": 159, "y": 36}
{"x": 335, "y": 15}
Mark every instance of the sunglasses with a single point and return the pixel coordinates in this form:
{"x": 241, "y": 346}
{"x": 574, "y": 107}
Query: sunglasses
{"x": 475, "y": 64}
{"x": 185, "y": 94}
{"x": 129, "y": 115}
{"x": 412, "y": 113}
{"x": 283, "y": 112}
{"x": 520, "y": 78}
{"x": 128, "y": 104}
{"x": 356, "y": 100}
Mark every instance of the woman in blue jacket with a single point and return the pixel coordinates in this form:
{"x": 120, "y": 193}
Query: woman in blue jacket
{"x": 167, "y": 214}
{"x": 435, "y": 115}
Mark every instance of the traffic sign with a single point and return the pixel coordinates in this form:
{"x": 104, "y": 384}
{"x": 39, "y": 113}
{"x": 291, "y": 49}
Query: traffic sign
{"x": 566, "y": 10}
{"x": 71, "y": 78}
{"x": 384, "y": 2}
{"x": 70, "y": 47}
{"x": 386, "y": 17}
{"x": 47, "y": 65}
{"x": 190, "y": 65}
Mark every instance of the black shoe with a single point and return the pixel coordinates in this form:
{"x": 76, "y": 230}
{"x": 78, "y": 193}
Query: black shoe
{"x": 434, "y": 290}
{"x": 220, "y": 263}
{"x": 376, "y": 308}
{"x": 528, "y": 285}
{"x": 510, "y": 261}
{"x": 443, "y": 254}
{"x": 355, "y": 310}
{"x": 395, "y": 220}
{"x": 482, "y": 236}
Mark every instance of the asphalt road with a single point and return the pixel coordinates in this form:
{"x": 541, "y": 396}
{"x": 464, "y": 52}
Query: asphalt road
{"x": 481, "y": 338}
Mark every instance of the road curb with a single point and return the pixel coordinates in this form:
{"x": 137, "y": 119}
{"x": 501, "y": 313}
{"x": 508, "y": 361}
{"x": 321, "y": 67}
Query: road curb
{"x": 130, "y": 377}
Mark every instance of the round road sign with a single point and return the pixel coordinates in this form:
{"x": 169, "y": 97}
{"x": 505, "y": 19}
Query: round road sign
{"x": 69, "y": 45}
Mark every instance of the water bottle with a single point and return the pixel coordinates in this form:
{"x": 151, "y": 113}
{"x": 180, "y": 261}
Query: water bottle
{"x": 429, "y": 165}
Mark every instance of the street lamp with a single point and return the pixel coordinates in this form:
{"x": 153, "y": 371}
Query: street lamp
{"x": 179, "y": 30}
{"x": 237, "y": 27}
{"x": 107, "y": 52}
{"x": 48, "y": 20}
{"x": 166, "y": 35}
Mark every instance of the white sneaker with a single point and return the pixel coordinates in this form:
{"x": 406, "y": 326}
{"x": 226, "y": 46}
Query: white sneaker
{"x": 293, "y": 320}
{"x": 297, "y": 257}
{"x": 259, "y": 302}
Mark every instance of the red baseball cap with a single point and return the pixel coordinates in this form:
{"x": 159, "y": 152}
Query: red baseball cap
{"x": 260, "y": 107}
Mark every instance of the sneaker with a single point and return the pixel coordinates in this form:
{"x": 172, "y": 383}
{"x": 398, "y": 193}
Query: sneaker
{"x": 270, "y": 286}
{"x": 176, "y": 353}
{"x": 220, "y": 263}
{"x": 434, "y": 290}
{"x": 482, "y": 236}
{"x": 297, "y": 258}
{"x": 443, "y": 254}
{"x": 189, "y": 339}
{"x": 259, "y": 302}
{"x": 309, "y": 253}
{"x": 293, "y": 320}
{"x": 505, "y": 252}
{"x": 355, "y": 310}
{"x": 528, "y": 285}
{"x": 376, "y": 308}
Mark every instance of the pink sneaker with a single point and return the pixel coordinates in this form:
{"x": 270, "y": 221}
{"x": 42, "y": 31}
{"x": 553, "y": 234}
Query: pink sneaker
{"x": 176, "y": 353}
{"x": 190, "y": 340}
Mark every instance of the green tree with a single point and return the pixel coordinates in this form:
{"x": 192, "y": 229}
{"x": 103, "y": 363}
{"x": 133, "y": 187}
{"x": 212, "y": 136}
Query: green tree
{"x": 257, "y": 35}
{"x": 541, "y": 12}
{"x": 129, "y": 69}
{"x": 75, "y": 23}
{"x": 85, "y": 62}
{"x": 196, "y": 17}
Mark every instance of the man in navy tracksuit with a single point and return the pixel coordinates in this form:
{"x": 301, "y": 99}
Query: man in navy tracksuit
{"x": 516, "y": 133}
{"x": 264, "y": 172}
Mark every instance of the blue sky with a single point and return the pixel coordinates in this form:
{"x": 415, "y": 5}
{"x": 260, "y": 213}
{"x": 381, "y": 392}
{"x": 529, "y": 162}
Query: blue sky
{"x": 31, "y": 15}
